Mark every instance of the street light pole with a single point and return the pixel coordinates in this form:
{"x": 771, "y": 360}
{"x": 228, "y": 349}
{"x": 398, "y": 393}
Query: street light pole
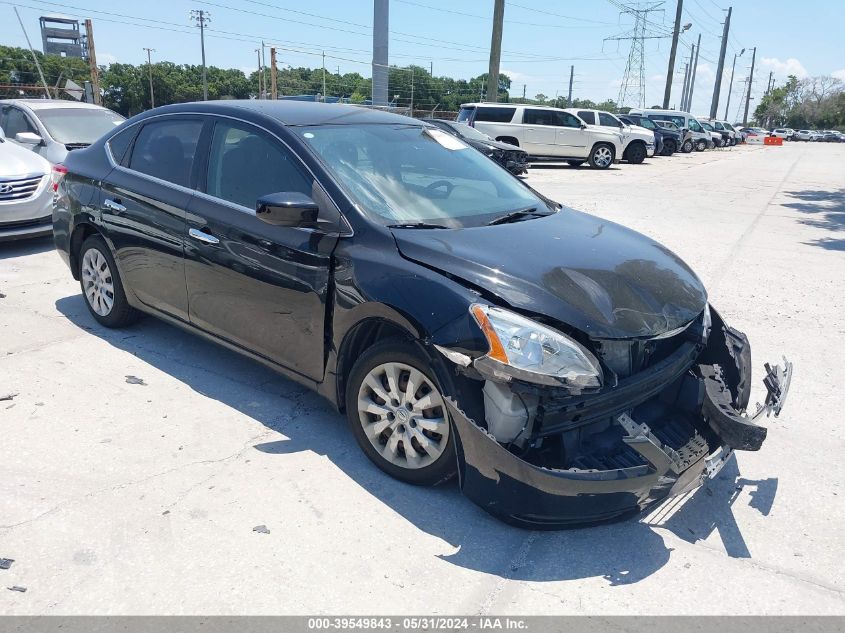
{"x": 731, "y": 84}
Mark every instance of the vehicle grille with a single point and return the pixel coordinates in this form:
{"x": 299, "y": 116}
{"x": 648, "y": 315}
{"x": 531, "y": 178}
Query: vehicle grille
{"x": 18, "y": 189}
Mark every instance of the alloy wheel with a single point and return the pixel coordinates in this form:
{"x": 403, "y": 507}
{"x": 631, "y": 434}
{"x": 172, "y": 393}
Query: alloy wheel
{"x": 403, "y": 415}
{"x": 97, "y": 282}
{"x": 603, "y": 156}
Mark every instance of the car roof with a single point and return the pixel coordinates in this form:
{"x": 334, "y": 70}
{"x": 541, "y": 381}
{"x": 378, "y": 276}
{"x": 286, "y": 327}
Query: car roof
{"x": 289, "y": 112}
{"x": 48, "y": 104}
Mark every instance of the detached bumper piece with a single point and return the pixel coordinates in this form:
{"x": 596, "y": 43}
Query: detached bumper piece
{"x": 657, "y": 434}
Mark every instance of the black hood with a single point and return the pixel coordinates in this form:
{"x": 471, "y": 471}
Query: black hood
{"x": 591, "y": 274}
{"x": 483, "y": 145}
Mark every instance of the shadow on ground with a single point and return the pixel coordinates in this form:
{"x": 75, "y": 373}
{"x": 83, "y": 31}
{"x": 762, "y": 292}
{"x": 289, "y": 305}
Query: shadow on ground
{"x": 621, "y": 553}
{"x": 20, "y": 248}
{"x": 825, "y": 209}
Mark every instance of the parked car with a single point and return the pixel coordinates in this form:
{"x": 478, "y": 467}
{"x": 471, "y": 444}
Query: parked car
{"x": 832, "y": 136}
{"x": 638, "y": 143}
{"x": 667, "y": 141}
{"x": 687, "y": 143}
{"x": 786, "y": 133}
{"x": 724, "y": 128}
{"x": 816, "y": 135}
{"x": 754, "y": 135}
{"x": 438, "y": 301}
{"x": 512, "y": 158}
{"x": 26, "y": 196}
{"x": 53, "y": 127}
{"x": 684, "y": 120}
{"x": 716, "y": 138}
{"x": 803, "y": 135}
{"x": 545, "y": 132}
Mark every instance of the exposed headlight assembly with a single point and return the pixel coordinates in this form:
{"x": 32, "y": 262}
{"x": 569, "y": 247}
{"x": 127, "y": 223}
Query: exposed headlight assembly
{"x": 524, "y": 349}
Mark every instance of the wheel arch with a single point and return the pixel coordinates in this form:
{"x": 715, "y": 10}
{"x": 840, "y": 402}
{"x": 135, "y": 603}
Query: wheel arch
{"x": 81, "y": 232}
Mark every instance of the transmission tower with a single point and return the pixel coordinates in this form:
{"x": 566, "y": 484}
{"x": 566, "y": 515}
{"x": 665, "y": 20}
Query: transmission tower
{"x": 632, "y": 88}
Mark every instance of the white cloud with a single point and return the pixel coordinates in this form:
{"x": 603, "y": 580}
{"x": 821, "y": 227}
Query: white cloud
{"x": 106, "y": 58}
{"x": 784, "y": 68}
{"x": 839, "y": 74}
{"x": 515, "y": 76}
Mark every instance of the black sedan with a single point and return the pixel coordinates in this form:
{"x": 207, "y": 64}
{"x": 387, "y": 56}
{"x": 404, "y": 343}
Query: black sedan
{"x": 568, "y": 369}
{"x": 508, "y": 156}
{"x": 669, "y": 141}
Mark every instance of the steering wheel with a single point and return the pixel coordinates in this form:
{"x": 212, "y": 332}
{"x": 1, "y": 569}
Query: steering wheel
{"x": 437, "y": 184}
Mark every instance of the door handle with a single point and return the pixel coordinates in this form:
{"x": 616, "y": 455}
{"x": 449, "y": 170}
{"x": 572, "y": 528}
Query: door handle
{"x": 113, "y": 205}
{"x": 203, "y": 237}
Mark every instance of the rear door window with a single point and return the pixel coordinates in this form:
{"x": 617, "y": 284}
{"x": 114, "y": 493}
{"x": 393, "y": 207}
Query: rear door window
{"x": 588, "y": 116}
{"x": 165, "y": 149}
{"x": 494, "y": 114}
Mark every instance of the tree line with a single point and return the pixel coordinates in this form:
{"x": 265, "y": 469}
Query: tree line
{"x": 813, "y": 103}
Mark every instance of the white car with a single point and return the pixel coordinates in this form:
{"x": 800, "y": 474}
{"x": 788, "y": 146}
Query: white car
{"x": 53, "y": 127}
{"x": 803, "y": 135}
{"x": 786, "y": 133}
{"x": 724, "y": 127}
{"x": 26, "y": 193}
{"x": 699, "y": 138}
{"x": 637, "y": 142}
{"x": 545, "y": 132}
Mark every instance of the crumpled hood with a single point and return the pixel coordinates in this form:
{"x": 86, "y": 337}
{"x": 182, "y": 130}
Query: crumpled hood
{"x": 592, "y": 274}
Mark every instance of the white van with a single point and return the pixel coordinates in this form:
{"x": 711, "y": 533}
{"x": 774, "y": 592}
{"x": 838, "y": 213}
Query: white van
{"x": 545, "y": 132}
{"x": 700, "y": 138}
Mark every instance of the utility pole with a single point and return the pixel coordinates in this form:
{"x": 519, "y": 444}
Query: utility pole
{"x": 263, "y": 69}
{"x": 495, "y": 51}
{"x": 769, "y": 84}
{"x": 685, "y": 98}
{"x": 202, "y": 18}
{"x": 381, "y": 74}
{"x": 714, "y": 104}
{"x": 523, "y": 91}
{"x": 32, "y": 52}
{"x": 684, "y": 89}
{"x": 274, "y": 93}
{"x": 571, "y": 75}
{"x": 692, "y": 77}
{"x": 258, "y": 73}
{"x": 324, "y": 75}
{"x": 750, "y": 80}
{"x": 731, "y": 84}
{"x": 412, "y": 91}
{"x": 92, "y": 62}
{"x": 150, "y": 69}
{"x": 667, "y": 92}
{"x": 431, "y": 68}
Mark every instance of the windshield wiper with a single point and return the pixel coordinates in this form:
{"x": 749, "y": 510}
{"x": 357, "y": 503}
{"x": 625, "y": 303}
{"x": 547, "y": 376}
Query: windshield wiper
{"x": 417, "y": 225}
{"x": 516, "y": 215}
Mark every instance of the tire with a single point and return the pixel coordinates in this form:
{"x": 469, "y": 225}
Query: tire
{"x": 433, "y": 445}
{"x": 700, "y": 145}
{"x": 575, "y": 163}
{"x": 636, "y": 153}
{"x": 602, "y": 156}
{"x": 101, "y": 285}
{"x": 688, "y": 146}
{"x": 669, "y": 147}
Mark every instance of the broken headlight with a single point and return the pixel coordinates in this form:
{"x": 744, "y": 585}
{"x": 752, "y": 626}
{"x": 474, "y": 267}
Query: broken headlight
{"x": 527, "y": 350}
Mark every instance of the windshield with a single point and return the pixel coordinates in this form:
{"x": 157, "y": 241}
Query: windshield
{"x": 647, "y": 123}
{"x": 706, "y": 126}
{"x": 78, "y": 125}
{"x": 468, "y": 132}
{"x": 404, "y": 174}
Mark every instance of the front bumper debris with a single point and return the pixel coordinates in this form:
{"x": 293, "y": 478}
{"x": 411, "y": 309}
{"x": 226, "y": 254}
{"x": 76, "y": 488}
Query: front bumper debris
{"x": 674, "y": 427}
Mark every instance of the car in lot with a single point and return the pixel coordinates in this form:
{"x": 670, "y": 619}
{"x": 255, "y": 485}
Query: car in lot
{"x": 512, "y": 158}
{"x": 545, "y": 133}
{"x": 699, "y": 137}
{"x": 716, "y": 138}
{"x": 53, "y": 127}
{"x": 687, "y": 144}
{"x": 723, "y": 127}
{"x": 668, "y": 141}
{"x": 803, "y": 135}
{"x": 832, "y": 136}
{"x": 786, "y": 133}
{"x": 638, "y": 143}
{"x": 26, "y": 195}
{"x": 569, "y": 369}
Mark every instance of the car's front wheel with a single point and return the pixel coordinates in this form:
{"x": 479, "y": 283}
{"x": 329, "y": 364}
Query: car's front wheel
{"x": 669, "y": 147}
{"x": 397, "y": 414}
{"x": 701, "y": 145}
{"x": 101, "y": 285}
{"x": 601, "y": 156}
{"x": 687, "y": 147}
{"x": 636, "y": 153}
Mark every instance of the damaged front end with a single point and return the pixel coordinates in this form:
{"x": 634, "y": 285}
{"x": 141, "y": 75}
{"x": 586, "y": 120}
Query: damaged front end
{"x": 663, "y": 415}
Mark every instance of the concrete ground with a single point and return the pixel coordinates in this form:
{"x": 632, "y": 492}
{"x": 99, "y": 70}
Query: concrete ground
{"x": 120, "y": 498}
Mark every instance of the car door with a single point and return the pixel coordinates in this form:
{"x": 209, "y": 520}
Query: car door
{"x": 260, "y": 286}
{"x": 540, "y": 133}
{"x": 143, "y": 205}
{"x": 570, "y": 138}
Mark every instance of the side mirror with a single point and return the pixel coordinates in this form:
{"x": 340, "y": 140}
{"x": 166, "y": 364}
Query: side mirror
{"x": 583, "y": 126}
{"x": 287, "y": 208}
{"x": 28, "y": 138}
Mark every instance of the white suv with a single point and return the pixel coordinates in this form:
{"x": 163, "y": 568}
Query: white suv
{"x": 545, "y": 132}
{"x": 637, "y": 142}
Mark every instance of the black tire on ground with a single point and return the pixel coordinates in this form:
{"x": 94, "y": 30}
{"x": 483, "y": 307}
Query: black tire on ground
{"x": 575, "y": 163}
{"x": 598, "y": 156}
{"x": 669, "y": 147}
{"x": 688, "y": 146}
{"x": 121, "y": 313}
{"x": 636, "y": 153}
{"x": 396, "y": 351}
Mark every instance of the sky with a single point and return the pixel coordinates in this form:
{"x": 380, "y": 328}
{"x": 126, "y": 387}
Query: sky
{"x": 541, "y": 39}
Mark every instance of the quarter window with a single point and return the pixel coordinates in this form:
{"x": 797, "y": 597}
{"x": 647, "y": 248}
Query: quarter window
{"x": 165, "y": 149}
{"x": 120, "y": 142}
{"x": 245, "y": 164}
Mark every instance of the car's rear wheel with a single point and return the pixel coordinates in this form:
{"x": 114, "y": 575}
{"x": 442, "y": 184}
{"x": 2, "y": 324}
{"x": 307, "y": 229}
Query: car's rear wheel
{"x": 636, "y": 153}
{"x": 101, "y": 285}
{"x": 688, "y": 146}
{"x": 602, "y": 156}
{"x": 398, "y": 416}
{"x": 669, "y": 147}
{"x": 701, "y": 145}
{"x": 575, "y": 163}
